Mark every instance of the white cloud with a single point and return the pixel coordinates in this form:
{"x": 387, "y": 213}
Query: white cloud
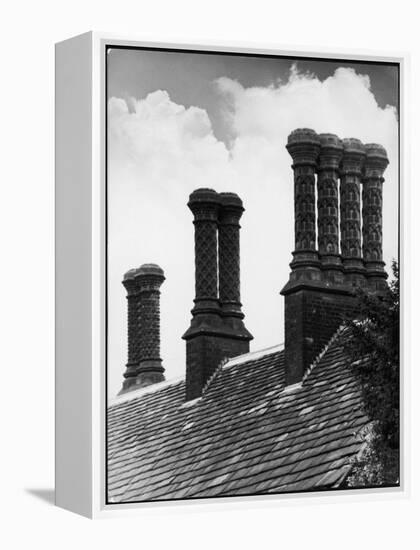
{"x": 160, "y": 151}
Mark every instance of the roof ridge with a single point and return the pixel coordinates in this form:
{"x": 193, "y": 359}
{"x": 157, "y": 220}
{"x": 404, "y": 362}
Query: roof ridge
{"x": 215, "y": 373}
{"x": 253, "y": 355}
{"x": 243, "y": 358}
{"x": 151, "y": 388}
{"x": 321, "y": 354}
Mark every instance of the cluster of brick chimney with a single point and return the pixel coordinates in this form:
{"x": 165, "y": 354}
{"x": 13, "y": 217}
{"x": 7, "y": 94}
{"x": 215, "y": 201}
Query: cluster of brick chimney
{"x": 347, "y": 253}
{"x": 338, "y": 257}
{"x": 338, "y": 246}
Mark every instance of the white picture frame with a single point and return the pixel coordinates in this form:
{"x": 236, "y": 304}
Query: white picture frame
{"x": 80, "y": 272}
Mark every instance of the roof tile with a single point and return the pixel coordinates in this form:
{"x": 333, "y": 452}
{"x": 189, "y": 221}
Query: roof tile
{"x": 245, "y": 435}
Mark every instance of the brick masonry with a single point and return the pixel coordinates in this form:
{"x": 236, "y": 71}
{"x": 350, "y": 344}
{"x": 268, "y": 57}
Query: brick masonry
{"x": 205, "y": 353}
{"x": 144, "y": 365}
{"x": 320, "y": 292}
{"x": 217, "y": 331}
{"x": 311, "y": 318}
{"x": 133, "y": 329}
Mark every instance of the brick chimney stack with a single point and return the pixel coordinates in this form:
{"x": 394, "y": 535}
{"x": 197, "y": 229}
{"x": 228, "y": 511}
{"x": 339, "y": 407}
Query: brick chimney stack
{"x": 320, "y": 290}
{"x": 375, "y": 165}
{"x": 150, "y": 278}
{"x": 351, "y": 237}
{"x": 205, "y": 204}
{"x": 217, "y": 330}
{"x": 330, "y": 156}
{"x": 231, "y": 209}
{"x": 303, "y": 146}
{"x": 144, "y": 365}
{"x": 133, "y": 329}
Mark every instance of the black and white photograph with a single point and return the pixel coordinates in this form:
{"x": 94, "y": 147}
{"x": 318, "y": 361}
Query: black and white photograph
{"x": 252, "y": 274}
{"x": 209, "y": 297}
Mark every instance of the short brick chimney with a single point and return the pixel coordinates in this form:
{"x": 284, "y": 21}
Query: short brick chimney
{"x": 144, "y": 365}
{"x": 320, "y": 290}
{"x": 217, "y": 331}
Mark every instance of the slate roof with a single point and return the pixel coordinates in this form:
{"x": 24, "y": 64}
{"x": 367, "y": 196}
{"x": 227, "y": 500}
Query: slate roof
{"x": 248, "y": 433}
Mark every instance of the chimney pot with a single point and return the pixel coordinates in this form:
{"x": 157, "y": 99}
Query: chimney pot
{"x": 376, "y": 159}
{"x": 303, "y": 145}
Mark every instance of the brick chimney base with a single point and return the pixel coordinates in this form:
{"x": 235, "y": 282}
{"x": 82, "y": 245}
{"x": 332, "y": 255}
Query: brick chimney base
{"x": 312, "y": 316}
{"x": 205, "y": 352}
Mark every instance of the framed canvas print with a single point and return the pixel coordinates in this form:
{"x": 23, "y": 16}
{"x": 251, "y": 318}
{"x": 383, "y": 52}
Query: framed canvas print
{"x": 228, "y": 258}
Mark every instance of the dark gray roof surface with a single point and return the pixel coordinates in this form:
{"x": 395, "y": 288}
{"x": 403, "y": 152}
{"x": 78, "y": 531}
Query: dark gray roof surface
{"x": 247, "y": 434}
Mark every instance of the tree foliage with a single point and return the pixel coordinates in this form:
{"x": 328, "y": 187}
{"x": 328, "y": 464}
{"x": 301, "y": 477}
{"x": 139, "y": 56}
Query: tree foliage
{"x": 373, "y": 350}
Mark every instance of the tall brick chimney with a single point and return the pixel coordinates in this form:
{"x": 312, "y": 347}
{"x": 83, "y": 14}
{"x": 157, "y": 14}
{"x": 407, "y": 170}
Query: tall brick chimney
{"x": 375, "y": 165}
{"x": 330, "y": 155}
{"x": 217, "y": 330}
{"x": 303, "y": 146}
{"x": 133, "y": 329}
{"x": 320, "y": 290}
{"x": 230, "y": 212}
{"x": 350, "y": 226}
{"x": 144, "y": 365}
{"x": 150, "y": 278}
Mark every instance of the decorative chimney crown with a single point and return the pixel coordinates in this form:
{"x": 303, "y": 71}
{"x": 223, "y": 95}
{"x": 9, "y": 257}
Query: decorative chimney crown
{"x": 130, "y": 274}
{"x": 353, "y": 157}
{"x": 303, "y": 145}
{"x": 331, "y": 152}
{"x": 150, "y": 269}
{"x": 232, "y": 200}
{"x": 376, "y": 160}
{"x": 204, "y": 204}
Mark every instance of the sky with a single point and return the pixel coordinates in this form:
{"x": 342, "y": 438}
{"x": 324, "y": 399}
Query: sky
{"x": 180, "y": 121}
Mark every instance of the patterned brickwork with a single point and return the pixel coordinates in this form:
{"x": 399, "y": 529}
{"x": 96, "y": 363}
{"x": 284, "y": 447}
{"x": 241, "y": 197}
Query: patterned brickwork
{"x": 229, "y": 269}
{"x": 133, "y": 328}
{"x": 327, "y": 214}
{"x": 150, "y": 333}
{"x": 303, "y": 146}
{"x": 328, "y": 173}
{"x": 149, "y": 279}
{"x": 372, "y": 215}
{"x": 204, "y": 204}
{"x": 351, "y": 240}
{"x": 305, "y": 231}
{"x": 229, "y": 254}
{"x": 376, "y": 163}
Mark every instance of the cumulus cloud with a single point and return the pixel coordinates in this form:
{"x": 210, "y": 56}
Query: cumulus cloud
{"x": 160, "y": 151}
